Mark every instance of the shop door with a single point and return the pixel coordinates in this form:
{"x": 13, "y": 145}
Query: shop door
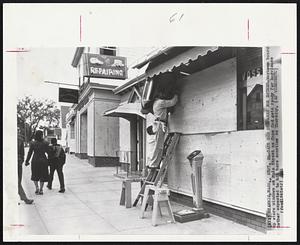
{"x": 140, "y": 143}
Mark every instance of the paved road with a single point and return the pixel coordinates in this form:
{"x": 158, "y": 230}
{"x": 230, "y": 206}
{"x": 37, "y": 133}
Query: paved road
{"x": 90, "y": 206}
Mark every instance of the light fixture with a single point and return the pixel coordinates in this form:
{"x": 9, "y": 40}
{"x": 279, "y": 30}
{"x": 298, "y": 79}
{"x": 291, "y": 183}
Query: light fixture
{"x": 184, "y": 73}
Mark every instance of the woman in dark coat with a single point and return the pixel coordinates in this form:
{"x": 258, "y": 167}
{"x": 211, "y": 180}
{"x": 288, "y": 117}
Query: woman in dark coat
{"x": 39, "y": 163}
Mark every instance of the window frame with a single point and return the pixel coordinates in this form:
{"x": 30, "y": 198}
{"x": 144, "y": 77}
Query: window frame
{"x": 246, "y": 61}
{"x": 111, "y": 51}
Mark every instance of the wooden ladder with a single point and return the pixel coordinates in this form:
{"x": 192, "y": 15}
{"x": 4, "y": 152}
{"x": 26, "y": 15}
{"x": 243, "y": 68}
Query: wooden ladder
{"x": 156, "y": 176}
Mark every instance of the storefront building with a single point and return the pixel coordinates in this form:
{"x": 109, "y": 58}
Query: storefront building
{"x": 91, "y": 135}
{"x": 220, "y": 112}
{"x": 132, "y": 125}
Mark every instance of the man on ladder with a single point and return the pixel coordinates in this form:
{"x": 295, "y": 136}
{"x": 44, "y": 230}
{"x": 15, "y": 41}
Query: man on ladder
{"x": 159, "y": 147}
{"x": 159, "y": 128}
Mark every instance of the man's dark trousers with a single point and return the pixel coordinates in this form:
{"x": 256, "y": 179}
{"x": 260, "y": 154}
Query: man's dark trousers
{"x": 59, "y": 169}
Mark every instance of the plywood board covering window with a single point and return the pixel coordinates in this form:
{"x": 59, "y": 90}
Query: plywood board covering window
{"x": 207, "y": 101}
{"x": 234, "y": 171}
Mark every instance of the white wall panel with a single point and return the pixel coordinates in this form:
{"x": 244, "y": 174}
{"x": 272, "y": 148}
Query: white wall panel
{"x": 207, "y": 101}
{"x": 234, "y": 170}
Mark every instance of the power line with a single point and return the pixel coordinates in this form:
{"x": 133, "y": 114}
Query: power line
{"x": 62, "y": 83}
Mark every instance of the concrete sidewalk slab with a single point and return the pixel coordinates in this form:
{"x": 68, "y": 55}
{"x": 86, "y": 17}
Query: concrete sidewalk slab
{"x": 64, "y": 211}
{"x": 91, "y": 224}
{"x": 90, "y": 206}
{"x": 97, "y": 196}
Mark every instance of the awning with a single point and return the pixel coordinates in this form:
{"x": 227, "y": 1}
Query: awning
{"x": 182, "y": 59}
{"x": 126, "y": 110}
{"x": 155, "y": 53}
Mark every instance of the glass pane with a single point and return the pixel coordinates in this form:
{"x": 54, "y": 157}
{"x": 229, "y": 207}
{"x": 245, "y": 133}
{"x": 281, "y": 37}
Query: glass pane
{"x": 250, "y": 89}
{"x": 146, "y": 97}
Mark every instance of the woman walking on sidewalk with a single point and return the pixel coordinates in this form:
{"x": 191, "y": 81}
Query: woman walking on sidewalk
{"x": 39, "y": 163}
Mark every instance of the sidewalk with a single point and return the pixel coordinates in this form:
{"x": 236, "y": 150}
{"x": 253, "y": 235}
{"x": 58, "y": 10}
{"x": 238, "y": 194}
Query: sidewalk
{"x": 90, "y": 206}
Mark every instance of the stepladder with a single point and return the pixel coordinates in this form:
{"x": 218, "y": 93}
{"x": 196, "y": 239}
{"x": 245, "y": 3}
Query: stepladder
{"x": 156, "y": 176}
{"x": 161, "y": 196}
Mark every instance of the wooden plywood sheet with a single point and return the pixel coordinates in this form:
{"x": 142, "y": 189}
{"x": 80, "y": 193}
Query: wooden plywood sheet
{"x": 233, "y": 167}
{"x": 90, "y": 129}
{"x": 217, "y": 177}
{"x": 106, "y": 130}
{"x": 248, "y": 170}
{"x": 248, "y": 188}
{"x": 124, "y": 135}
{"x": 83, "y": 133}
{"x": 207, "y": 101}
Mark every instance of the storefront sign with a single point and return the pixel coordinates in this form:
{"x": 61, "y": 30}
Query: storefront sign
{"x": 252, "y": 73}
{"x": 251, "y": 78}
{"x": 68, "y": 95}
{"x": 105, "y": 66}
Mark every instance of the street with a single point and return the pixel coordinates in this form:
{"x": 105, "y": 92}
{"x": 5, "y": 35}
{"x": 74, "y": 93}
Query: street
{"x": 90, "y": 206}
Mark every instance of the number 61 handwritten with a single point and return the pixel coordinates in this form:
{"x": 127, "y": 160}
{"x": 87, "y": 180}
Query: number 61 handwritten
{"x": 175, "y": 17}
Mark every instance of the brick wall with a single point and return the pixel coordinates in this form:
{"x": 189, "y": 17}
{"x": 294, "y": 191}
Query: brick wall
{"x": 253, "y": 221}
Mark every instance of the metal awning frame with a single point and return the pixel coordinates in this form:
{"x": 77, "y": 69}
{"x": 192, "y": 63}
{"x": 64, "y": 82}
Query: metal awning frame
{"x": 127, "y": 111}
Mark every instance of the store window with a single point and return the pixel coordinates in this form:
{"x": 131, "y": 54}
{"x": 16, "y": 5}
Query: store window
{"x": 250, "y": 89}
{"x": 108, "y": 51}
{"x": 50, "y": 132}
{"x": 72, "y": 129}
{"x": 147, "y": 95}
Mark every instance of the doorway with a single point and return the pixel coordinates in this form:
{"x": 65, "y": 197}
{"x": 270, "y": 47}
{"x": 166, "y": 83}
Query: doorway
{"x": 141, "y": 141}
{"x": 137, "y": 126}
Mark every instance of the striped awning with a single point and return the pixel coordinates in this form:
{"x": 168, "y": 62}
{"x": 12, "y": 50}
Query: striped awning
{"x": 183, "y": 59}
{"x": 126, "y": 110}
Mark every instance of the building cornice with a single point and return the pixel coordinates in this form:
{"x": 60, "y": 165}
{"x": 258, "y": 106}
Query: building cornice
{"x": 91, "y": 86}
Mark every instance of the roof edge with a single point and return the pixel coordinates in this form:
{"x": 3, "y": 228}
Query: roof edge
{"x": 77, "y": 56}
{"x": 151, "y": 57}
